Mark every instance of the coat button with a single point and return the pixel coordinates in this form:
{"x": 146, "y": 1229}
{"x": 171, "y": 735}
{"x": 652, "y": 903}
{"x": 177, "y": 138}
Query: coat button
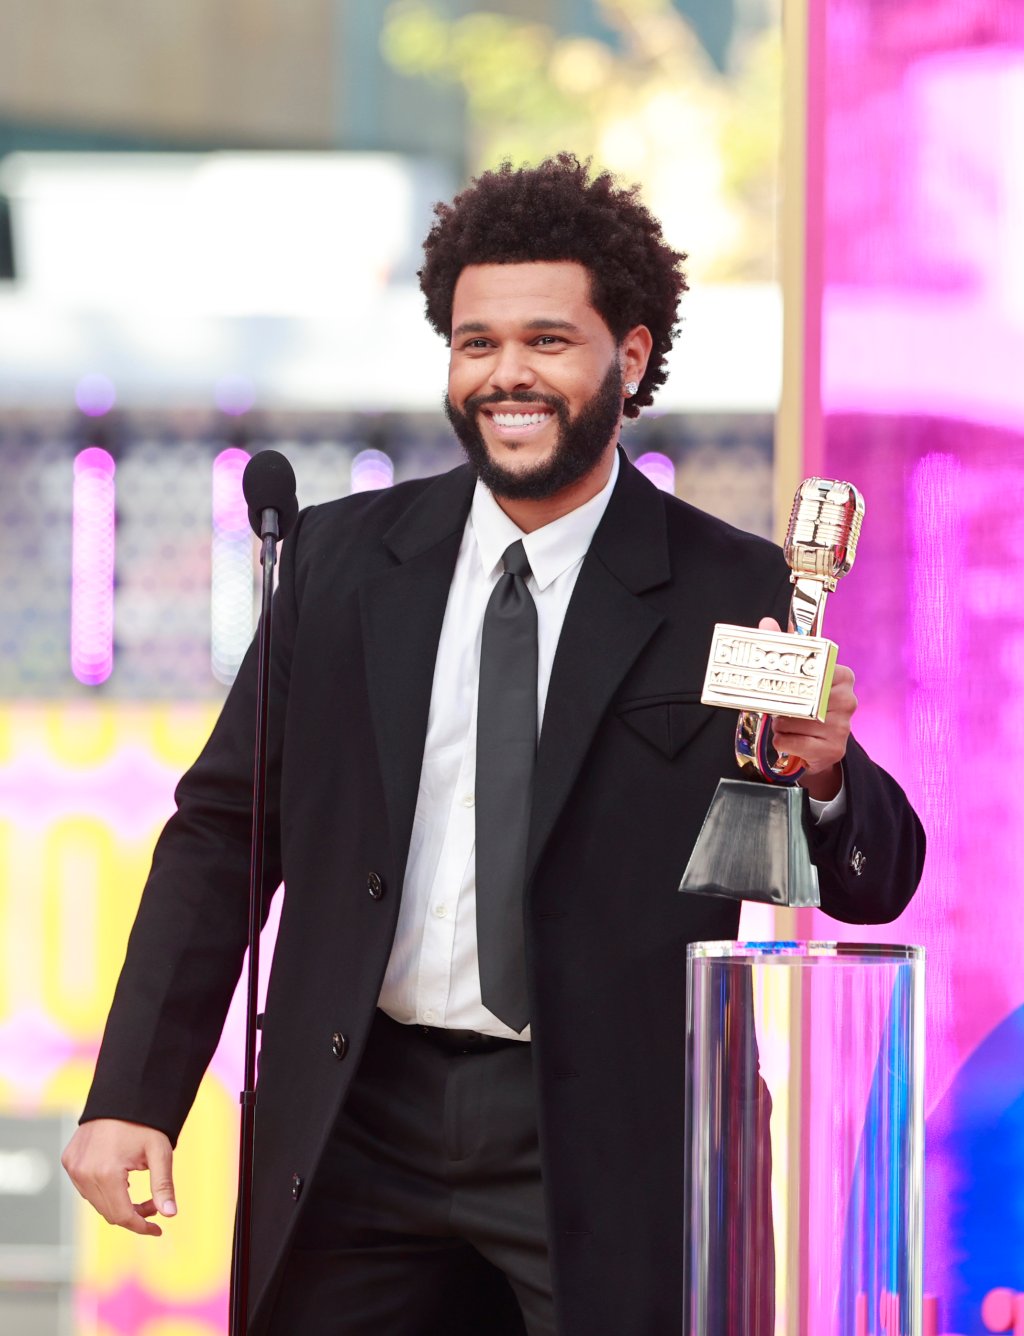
{"x": 375, "y": 885}
{"x": 857, "y": 861}
{"x": 339, "y": 1045}
{"x": 296, "y": 1187}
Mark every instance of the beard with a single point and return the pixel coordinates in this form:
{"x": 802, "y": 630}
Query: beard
{"x": 580, "y": 443}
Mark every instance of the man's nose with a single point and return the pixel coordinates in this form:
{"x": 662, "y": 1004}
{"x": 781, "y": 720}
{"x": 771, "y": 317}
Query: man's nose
{"x": 512, "y": 370}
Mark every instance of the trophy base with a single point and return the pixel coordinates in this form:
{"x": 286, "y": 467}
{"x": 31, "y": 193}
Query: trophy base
{"x": 753, "y": 846}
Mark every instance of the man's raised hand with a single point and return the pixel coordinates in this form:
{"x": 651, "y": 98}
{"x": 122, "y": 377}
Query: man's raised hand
{"x": 821, "y": 745}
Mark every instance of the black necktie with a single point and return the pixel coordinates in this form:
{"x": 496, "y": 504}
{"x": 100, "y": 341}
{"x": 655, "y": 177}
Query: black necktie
{"x": 506, "y": 749}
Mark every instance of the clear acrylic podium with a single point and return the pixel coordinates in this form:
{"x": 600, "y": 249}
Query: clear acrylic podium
{"x": 805, "y": 1139}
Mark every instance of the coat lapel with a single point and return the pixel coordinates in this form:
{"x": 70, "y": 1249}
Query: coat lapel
{"x": 402, "y": 613}
{"x": 606, "y": 626}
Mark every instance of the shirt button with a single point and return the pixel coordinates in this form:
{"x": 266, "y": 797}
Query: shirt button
{"x": 469, "y": 800}
{"x": 429, "y": 1016}
{"x": 441, "y": 911}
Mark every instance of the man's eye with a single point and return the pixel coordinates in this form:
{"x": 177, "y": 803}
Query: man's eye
{"x": 546, "y": 340}
{"x": 476, "y": 344}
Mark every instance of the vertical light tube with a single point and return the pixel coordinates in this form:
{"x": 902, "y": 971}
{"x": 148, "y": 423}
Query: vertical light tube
{"x": 92, "y": 566}
{"x": 798, "y": 425}
{"x": 798, "y": 450}
{"x": 935, "y": 512}
{"x": 231, "y": 568}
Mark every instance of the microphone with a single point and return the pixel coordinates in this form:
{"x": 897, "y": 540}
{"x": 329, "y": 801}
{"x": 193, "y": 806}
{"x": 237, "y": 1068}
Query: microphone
{"x": 824, "y": 528}
{"x": 268, "y": 485}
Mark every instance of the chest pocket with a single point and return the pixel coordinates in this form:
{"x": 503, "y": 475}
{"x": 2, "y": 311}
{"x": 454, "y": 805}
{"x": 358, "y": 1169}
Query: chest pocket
{"x": 669, "y": 722}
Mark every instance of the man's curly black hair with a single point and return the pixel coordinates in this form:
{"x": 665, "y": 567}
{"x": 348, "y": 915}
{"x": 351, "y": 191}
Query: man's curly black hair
{"x": 556, "y": 212}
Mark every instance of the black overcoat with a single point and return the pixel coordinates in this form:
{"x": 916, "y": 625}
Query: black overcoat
{"x": 627, "y": 765}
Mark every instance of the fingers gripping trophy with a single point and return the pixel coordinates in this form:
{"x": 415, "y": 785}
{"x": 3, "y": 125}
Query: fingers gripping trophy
{"x": 765, "y": 673}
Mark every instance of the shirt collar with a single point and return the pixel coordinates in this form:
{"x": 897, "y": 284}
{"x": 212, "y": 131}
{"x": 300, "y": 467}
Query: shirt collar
{"x": 550, "y": 550}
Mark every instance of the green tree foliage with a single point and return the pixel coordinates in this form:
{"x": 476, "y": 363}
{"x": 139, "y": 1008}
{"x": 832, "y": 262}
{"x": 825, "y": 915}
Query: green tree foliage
{"x": 652, "y": 108}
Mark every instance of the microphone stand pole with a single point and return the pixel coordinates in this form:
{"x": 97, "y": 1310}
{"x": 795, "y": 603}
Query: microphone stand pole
{"x": 243, "y": 1219}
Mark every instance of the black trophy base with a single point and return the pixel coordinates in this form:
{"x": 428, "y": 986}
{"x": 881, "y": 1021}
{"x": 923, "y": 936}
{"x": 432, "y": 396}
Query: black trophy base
{"x": 753, "y": 846}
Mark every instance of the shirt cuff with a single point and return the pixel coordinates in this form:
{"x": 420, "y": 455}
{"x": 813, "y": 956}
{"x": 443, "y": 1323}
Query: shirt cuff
{"x": 824, "y": 813}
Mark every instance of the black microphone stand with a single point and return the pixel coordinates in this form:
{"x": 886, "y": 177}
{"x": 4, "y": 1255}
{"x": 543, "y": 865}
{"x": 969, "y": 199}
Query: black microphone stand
{"x": 239, "y": 1306}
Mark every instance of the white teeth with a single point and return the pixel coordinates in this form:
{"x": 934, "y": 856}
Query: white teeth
{"x": 520, "y": 419}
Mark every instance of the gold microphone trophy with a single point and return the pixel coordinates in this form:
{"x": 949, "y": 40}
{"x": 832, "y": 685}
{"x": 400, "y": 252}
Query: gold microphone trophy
{"x": 753, "y": 844}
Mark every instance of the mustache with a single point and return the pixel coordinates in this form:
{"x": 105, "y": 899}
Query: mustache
{"x": 478, "y": 401}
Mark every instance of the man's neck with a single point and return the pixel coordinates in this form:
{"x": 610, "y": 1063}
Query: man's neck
{"x": 530, "y": 515}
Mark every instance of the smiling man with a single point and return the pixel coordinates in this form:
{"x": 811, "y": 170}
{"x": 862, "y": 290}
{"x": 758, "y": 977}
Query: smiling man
{"x": 488, "y": 766}
{"x": 536, "y": 384}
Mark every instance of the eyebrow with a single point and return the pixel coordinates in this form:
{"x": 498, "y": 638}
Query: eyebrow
{"x": 541, "y": 322}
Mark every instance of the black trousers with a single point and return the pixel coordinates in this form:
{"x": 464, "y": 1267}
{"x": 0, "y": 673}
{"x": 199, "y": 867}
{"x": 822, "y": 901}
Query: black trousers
{"x": 426, "y": 1217}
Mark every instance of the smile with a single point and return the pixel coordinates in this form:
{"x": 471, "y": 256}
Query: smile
{"x": 520, "y": 419}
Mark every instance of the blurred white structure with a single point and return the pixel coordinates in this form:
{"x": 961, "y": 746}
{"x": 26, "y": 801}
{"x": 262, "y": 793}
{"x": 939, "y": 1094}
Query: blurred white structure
{"x": 291, "y": 275}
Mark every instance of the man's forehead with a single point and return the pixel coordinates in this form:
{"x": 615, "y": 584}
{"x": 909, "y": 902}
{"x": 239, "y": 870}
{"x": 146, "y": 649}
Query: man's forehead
{"x": 542, "y": 293}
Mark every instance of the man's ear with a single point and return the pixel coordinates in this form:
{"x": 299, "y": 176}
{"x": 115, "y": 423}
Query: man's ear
{"x": 635, "y": 352}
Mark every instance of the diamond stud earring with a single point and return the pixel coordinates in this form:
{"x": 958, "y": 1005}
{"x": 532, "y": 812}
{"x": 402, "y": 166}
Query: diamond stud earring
{"x": 632, "y": 386}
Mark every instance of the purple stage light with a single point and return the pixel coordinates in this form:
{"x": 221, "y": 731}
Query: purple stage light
{"x": 659, "y": 469}
{"x": 92, "y": 567}
{"x": 229, "y": 509}
{"x": 231, "y": 567}
{"x": 914, "y": 249}
{"x": 95, "y": 395}
{"x": 372, "y": 469}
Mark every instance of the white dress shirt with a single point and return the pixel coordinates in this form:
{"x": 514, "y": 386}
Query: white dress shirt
{"x": 433, "y": 975}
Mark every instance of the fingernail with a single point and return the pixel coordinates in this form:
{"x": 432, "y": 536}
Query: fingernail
{"x": 169, "y": 1208}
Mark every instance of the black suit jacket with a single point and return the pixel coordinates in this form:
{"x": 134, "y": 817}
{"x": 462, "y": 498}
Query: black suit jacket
{"x": 628, "y": 761}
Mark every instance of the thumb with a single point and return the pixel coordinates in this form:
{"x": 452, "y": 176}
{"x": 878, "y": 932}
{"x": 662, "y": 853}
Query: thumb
{"x": 768, "y": 624}
{"x": 161, "y": 1185}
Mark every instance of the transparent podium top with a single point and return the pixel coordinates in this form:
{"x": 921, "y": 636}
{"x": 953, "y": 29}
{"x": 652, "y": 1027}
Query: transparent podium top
{"x": 804, "y": 1128}
{"x": 805, "y": 952}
